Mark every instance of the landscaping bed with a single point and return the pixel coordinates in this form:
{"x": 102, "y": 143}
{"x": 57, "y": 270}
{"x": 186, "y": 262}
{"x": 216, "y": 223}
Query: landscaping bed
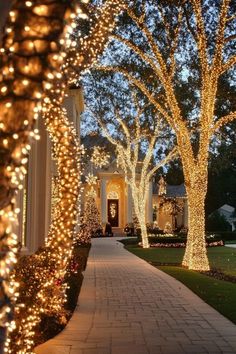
{"x": 52, "y": 324}
{"x": 216, "y": 287}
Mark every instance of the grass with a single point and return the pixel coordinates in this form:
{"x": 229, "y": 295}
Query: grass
{"x": 221, "y": 258}
{"x": 219, "y": 294}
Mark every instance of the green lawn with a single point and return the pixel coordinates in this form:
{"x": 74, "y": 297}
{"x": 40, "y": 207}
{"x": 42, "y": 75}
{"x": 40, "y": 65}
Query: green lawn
{"x": 218, "y": 293}
{"x": 222, "y": 258}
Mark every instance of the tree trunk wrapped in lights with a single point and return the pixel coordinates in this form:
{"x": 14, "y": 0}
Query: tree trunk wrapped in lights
{"x": 28, "y": 56}
{"x": 187, "y": 38}
{"x": 138, "y": 171}
{"x": 49, "y": 265}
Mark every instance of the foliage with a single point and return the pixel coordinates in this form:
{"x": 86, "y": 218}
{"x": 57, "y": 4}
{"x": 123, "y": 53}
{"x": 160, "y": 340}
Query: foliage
{"x": 52, "y": 321}
{"x": 217, "y": 222}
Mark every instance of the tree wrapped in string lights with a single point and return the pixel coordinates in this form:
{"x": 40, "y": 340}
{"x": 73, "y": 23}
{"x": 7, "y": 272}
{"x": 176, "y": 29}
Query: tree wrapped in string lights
{"x": 184, "y": 59}
{"x": 129, "y": 139}
{"x": 29, "y": 54}
{"x": 50, "y": 265}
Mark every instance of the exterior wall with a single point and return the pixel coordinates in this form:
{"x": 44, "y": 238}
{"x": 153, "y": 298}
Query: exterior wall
{"x": 110, "y": 182}
{"x": 164, "y": 214}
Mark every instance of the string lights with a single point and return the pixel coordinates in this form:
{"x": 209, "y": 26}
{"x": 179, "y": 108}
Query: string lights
{"x": 28, "y": 55}
{"x": 91, "y": 179}
{"x": 87, "y": 49}
{"x": 195, "y": 164}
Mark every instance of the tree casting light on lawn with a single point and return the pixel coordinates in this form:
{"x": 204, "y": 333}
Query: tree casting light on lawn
{"x": 213, "y": 64}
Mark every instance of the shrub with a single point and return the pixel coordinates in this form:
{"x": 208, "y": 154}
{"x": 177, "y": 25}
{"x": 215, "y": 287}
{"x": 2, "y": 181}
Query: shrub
{"x": 216, "y": 221}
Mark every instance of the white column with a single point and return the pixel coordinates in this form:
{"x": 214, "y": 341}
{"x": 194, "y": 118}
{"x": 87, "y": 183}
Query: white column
{"x": 129, "y": 205}
{"x": 149, "y": 207}
{"x": 103, "y": 201}
{"x": 38, "y": 191}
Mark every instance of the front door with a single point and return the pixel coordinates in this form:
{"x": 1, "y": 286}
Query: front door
{"x": 113, "y": 212}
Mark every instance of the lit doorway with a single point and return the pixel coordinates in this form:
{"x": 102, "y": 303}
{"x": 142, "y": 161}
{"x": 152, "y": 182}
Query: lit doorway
{"x": 113, "y": 212}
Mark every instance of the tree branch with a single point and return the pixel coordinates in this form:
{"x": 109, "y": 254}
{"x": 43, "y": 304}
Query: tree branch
{"x": 175, "y": 44}
{"x": 142, "y": 88}
{"x": 223, "y": 121}
{"x": 230, "y": 38}
{"x": 138, "y": 51}
{"x": 226, "y": 66}
{"x": 217, "y": 60}
{"x": 172, "y": 154}
{"x": 123, "y": 125}
{"x": 201, "y": 36}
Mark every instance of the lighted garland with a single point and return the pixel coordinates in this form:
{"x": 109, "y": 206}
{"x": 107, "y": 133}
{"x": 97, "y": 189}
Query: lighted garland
{"x": 30, "y": 44}
{"x": 53, "y": 260}
{"x": 195, "y": 168}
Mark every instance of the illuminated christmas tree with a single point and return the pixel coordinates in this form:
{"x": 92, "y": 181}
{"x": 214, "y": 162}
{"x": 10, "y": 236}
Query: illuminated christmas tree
{"x": 91, "y": 220}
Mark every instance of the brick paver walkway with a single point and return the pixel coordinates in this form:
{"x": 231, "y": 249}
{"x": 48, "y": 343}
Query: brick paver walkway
{"x": 126, "y": 306}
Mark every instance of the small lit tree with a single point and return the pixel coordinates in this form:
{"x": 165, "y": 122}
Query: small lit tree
{"x": 91, "y": 219}
{"x": 135, "y": 149}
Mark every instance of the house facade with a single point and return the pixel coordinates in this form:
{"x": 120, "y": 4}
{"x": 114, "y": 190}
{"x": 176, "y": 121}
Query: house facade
{"x": 166, "y": 205}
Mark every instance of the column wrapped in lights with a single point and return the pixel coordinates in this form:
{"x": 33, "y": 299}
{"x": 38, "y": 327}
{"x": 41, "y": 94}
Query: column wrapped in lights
{"x": 212, "y": 65}
{"x": 29, "y": 53}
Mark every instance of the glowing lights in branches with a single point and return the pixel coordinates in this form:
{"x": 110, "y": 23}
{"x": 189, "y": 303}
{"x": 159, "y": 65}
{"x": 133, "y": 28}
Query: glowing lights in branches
{"x": 195, "y": 164}
{"x": 138, "y": 174}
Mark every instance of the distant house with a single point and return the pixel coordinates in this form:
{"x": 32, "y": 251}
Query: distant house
{"x": 166, "y": 204}
{"x": 170, "y": 204}
{"x": 229, "y": 213}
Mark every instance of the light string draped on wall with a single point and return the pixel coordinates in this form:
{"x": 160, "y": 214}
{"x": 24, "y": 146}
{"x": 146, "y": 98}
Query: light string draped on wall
{"x": 27, "y": 57}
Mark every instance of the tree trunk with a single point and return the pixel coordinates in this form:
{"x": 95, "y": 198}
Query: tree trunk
{"x": 144, "y": 234}
{"x": 196, "y": 253}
